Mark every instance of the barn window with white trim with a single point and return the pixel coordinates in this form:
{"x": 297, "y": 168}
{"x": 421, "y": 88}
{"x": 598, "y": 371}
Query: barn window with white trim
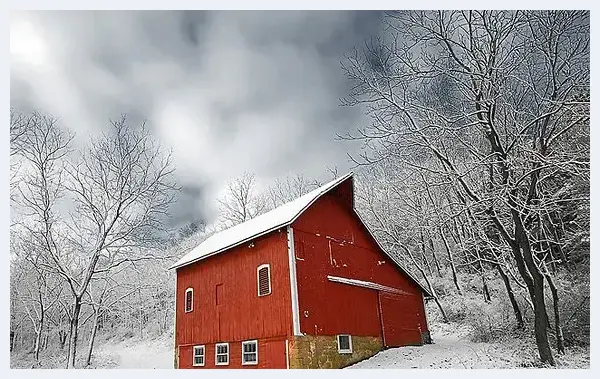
{"x": 250, "y": 352}
{"x": 344, "y": 342}
{"x": 222, "y": 354}
{"x": 199, "y": 355}
{"x": 263, "y": 274}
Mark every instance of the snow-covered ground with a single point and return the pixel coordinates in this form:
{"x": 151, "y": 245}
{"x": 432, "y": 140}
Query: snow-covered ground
{"x": 446, "y": 352}
{"x": 156, "y": 354}
{"x": 453, "y": 349}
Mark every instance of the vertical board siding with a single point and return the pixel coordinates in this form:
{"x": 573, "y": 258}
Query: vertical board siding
{"x": 334, "y": 242}
{"x": 241, "y": 314}
{"x": 401, "y": 328}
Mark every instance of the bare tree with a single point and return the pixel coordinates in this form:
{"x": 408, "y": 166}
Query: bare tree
{"x": 290, "y": 188}
{"x": 37, "y": 291}
{"x": 495, "y": 100}
{"x": 121, "y": 187}
{"x": 18, "y": 127}
{"x": 241, "y": 201}
{"x": 42, "y": 147}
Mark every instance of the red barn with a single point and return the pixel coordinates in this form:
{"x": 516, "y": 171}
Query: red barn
{"x": 305, "y": 285}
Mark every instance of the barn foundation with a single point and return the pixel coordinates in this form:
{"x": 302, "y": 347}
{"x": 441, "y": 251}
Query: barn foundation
{"x": 321, "y": 351}
{"x": 426, "y": 337}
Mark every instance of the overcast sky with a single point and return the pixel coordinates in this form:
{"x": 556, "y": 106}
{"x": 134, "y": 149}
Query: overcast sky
{"x": 227, "y": 91}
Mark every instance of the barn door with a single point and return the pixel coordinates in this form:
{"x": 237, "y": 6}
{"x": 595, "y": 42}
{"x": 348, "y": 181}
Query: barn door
{"x": 399, "y": 320}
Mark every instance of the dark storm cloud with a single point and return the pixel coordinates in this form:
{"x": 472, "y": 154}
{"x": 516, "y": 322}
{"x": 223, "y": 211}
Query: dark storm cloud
{"x": 227, "y": 91}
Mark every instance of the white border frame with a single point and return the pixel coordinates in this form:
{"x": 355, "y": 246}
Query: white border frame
{"x": 247, "y": 343}
{"x": 349, "y": 351}
{"x": 217, "y": 354}
{"x": 189, "y": 289}
{"x": 194, "y": 355}
{"x": 268, "y": 266}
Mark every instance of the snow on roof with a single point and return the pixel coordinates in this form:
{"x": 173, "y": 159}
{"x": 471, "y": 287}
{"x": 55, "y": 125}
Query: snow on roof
{"x": 265, "y": 223}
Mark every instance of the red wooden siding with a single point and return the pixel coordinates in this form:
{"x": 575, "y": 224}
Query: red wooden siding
{"x": 240, "y": 314}
{"x": 334, "y": 242}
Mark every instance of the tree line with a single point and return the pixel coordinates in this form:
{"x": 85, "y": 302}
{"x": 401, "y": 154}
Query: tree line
{"x": 479, "y": 145}
{"x": 83, "y": 219}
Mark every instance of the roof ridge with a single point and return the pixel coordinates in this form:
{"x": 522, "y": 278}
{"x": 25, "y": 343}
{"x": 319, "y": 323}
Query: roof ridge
{"x": 280, "y": 218}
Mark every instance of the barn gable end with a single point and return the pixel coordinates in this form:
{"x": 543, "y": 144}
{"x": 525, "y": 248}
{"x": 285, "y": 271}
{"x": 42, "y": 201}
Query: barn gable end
{"x": 331, "y": 244}
{"x": 306, "y": 276}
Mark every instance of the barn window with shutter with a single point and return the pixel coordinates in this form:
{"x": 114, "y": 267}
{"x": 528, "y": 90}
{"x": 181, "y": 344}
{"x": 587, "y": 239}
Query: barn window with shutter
{"x": 222, "y": 354}
{"x": 250, "y": 352}
{"x": 344, "y": 342}
{"x": 199, "y": 355}
{"x": 263, "y": 273}
{"x": 189, "y": 300}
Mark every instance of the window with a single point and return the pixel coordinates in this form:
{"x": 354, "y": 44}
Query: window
{"x": 250, "y": 352}
{"x": 344, "y": 342}
{"x": 264, "y": 279}
{"x": 189, "y": 300}
{"x": 198, "y": 355}
{"x": 222, "y": 354}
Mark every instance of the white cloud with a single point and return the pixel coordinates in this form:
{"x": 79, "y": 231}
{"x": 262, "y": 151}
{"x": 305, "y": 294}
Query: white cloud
{"x": 256, "y": 91}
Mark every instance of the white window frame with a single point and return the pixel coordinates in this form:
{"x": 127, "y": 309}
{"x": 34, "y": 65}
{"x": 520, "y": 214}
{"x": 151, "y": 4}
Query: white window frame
{"x": 217, "y": 363}
{"x": 268, "y": 266}
{"x": 344, "y": 351}
{"x": 190, "y": 289}
{"x": 255, "y": 342}
{"x": 194, "y": 356}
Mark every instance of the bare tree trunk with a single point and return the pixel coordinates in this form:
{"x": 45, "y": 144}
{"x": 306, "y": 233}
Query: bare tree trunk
{"x": 36, "y": 348}
{"x": 140, "y": 306}
{"x": 560, "y": 345}
{"x": 38, "y": 335}
{"x": 166, "y": 319}
{"x": 451, "y": 261}
{"x": 431, "y": 289}
{"x": 537, "y": 289}
{"x": 511, "y": 297}
{"x": 88, "y": 358}
{"x": 485, "y": 289}
{"x": 12, "y": 340}
{"x": 46, "y": 337}
{"x": 74, "y": 325}
{"x": 62, "y": 339}
{"x": 435, "y": 260}
{"x": 429, "y": 269}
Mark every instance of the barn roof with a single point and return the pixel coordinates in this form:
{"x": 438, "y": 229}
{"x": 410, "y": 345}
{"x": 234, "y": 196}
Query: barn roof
{"x": 277, "y": 218}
